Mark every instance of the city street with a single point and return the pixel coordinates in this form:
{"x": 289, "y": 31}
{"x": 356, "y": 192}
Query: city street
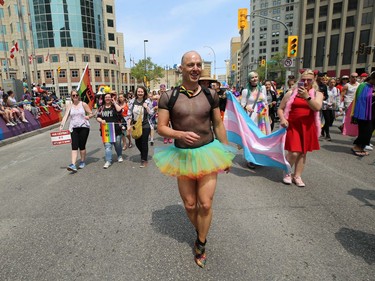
{"x": 128, "y": 223}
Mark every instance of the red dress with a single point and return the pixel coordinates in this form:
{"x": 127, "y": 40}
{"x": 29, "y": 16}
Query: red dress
{"x": 301, "y": 134}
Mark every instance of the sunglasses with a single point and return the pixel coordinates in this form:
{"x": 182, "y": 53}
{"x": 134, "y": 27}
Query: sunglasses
{"x": 74, "y": 96}
{"x": 306, "y": 80}
{"x": 354, "y": 76}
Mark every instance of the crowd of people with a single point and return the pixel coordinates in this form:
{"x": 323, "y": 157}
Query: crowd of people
{"x": 13, "y": 111}
{"x": 192, "y": 115}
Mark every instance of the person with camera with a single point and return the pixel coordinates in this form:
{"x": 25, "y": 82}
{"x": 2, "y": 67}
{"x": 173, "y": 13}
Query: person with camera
{"x": 110, "y": 112}
{"x": 299, "y": 113}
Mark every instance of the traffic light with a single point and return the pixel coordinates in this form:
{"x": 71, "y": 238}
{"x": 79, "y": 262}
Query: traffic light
{"x": 368, "y": 50}
{"x": 53, "y": 81}
{"x": 242, "y": 18}
{"x": 361, "y": 49}
{"x": 59, "y": 69}
{"x": 292, "y": 46}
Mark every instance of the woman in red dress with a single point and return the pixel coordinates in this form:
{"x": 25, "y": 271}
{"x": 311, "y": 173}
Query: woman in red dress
{"x": 299, "y": 112}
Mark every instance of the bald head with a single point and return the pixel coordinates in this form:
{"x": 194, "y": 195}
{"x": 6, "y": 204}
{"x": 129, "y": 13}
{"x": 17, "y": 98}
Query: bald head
{"x": 189, "y": 54}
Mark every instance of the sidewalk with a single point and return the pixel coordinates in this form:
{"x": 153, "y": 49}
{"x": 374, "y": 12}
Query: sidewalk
{"x": 29, "y": 134}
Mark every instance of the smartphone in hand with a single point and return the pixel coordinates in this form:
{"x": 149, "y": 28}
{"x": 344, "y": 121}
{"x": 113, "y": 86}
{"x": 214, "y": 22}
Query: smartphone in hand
{"x": 301, "y": 84}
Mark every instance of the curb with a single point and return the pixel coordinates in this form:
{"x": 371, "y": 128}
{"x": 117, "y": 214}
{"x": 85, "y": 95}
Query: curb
{"x": 28, "y": 134}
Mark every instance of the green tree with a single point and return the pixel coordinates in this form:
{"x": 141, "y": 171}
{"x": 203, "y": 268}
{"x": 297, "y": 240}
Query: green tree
{"x": 147, "y": 71}
{"x": 275, "y": 68}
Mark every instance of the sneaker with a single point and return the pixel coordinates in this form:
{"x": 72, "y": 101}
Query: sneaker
{"x": 81, "y": 165}
{"x": 72, "y": 168}
{"x": 143, "y": 164}
{"x": 170, "y": 140}
{"x": 25, "y": 121}
{"x": 165, "y": 141}
{"x": 251, "y": 165}
{"x": 371, "y": 145}
{"x": 9, "y": 124}
{"x": 106, "y": 165}
{"x": 368, "y": 148}
{"x": 287, "y": 178}
{"x": 120, "y": 159}
{"x": 298, "y": 182}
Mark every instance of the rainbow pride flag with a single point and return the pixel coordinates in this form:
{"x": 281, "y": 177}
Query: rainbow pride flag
{"x": 108, "y": 132}
{"x": 261, "y": 149}
{"x": 84, "y": 88}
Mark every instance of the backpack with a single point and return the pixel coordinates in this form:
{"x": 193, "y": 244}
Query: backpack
{"x": 176, "y": 92}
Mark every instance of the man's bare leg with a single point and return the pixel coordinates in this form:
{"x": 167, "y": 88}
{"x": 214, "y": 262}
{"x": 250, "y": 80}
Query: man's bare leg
{"x": 188, "y": 192}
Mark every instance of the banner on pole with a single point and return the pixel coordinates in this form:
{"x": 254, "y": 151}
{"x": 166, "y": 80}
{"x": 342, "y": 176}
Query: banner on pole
{"x": 60, "y": 137}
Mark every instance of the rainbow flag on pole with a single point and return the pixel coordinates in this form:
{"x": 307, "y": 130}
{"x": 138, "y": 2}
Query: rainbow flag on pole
{"x": 261, "y": 149}
{"x": 108, "y": 132}
{"x": 84, "y": 88}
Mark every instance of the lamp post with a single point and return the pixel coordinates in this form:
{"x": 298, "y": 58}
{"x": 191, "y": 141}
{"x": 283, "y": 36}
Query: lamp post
{"x": 214, "y": 59}
{"x": 144, "y": 50}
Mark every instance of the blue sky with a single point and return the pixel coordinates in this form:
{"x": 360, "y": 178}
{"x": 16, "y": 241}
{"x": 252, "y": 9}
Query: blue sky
{"x": 174, "y": 27}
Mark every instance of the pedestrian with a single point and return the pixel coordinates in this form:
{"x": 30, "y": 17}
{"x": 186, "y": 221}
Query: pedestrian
{"x": 196, "y": 156}
{"x": 79, "y": 114}
{"x": 363, "y": 114}
{"x": 141, "y": 106}
{"x": 272, "y": 101}
{"x": 299, "y": 113}
{"x": 110, "y": 112}
{"x": 347, "y": 95}
{"x": 254, "y": 101}
{"x": 222, "y": 97}
{"x": 123, "y": 103}
{"x": 329, "y": 107}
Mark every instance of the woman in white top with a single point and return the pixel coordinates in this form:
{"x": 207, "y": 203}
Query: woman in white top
{"x": 79, "y": 127}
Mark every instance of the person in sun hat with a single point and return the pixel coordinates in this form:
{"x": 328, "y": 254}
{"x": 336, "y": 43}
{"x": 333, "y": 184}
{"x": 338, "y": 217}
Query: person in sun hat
{"x": 205, "y": 80}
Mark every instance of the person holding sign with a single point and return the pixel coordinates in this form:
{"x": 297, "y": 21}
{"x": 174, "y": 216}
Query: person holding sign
{"x": 110, "y": 118}
{"x": 79, "y": 127}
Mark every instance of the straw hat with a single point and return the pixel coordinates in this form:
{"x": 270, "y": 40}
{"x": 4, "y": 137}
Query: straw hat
{"x": 205, "y": 76}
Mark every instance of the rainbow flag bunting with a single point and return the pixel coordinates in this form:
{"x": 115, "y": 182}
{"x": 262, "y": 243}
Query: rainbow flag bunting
{"x": 108, "y": 132}
{"x": 261, "y": 149}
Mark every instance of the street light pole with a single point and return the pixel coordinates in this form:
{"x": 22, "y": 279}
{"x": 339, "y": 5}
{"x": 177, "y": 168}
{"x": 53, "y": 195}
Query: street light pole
{"x": 214, "y": 59}
{"x": 144, "y": 50}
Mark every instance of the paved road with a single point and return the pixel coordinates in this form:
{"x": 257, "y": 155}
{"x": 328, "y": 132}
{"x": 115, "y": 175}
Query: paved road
{"x": 127, "y": 223}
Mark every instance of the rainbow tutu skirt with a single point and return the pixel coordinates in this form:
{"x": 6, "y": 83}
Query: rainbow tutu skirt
{"x": 194, "y": 163}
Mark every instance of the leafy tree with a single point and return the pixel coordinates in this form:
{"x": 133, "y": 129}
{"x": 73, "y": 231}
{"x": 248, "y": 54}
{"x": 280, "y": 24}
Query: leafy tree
{"x": 275, "y": 68}
{"x": 146, "y": 71}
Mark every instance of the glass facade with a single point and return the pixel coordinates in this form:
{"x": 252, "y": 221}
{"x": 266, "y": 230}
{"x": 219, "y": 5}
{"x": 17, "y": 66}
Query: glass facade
{"x": 67, "y": 23}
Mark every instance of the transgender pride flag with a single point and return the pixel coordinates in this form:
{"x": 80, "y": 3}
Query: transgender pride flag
{"x": 264, "y": 150}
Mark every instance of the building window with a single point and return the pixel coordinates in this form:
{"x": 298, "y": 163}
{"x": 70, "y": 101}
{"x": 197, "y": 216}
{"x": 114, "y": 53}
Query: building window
{"x": 323, "y": 10}
{"x": 336, "y": 23}
{"x": 352, "y": 5}
{"x": 105, "y": 59}
{"x": 62, "y": 74}
{"x": 54, "y": 58}
{"x": 97, "y": 72}
{"x": 307, "y": 51}
{"x": 289, "y": 16}
{"x": 106, "y": 73}
{"x": 289, "y": 8}
{"x": 322, "y": 26}
{"x": 39, "y": 59}
{"x": 275, "y": 34}
{"x": 275, "y": 42}
{"x": 276, "y": 26}
{"x": 276, "y": 11}
{"x": 111, "y": 36}
{"x": 337, "y": 7}
{"x": 350, "y": 22}
{"x": 71, "y": 58}
{"x": 263, "y": 28}
{"x": 110, "y": 23}
{"x": 112, "y": 50}
{"x": 348, "y": 48}
{"x": 48, "y": 74}
{"x": 275, "y": 49}
{"x": 112, "y": 73}
{"x": 320, "y": 53}
{"x": 368, "y": 3}
{"x": 263, "y": 36}
{"x": 97, "y": 59}
{"x": 310, "y": 1}
{"x": 86, "y": 58}
{"x": 364, "y": 37}
{"x": 38, "y": 75}
{"x": 109, "y": 9}
{"x": 333, "y": 50}
{"x": 310, "y": 13}
{"x": 75, "y": 73}
{"x": 366, "y": 18}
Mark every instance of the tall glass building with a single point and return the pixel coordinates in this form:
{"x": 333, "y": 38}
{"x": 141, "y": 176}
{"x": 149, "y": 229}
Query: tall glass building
{"x": 67, "y": 23}
{"x": 62, "y": 36}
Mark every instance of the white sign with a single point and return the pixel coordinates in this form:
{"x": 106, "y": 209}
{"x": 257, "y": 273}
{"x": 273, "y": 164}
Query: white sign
{"x": 61, "y": 137}
{"x": 288, "y": 62}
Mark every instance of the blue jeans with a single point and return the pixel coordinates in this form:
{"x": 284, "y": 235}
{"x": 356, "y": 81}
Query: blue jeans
{"x": 108, "y": 149}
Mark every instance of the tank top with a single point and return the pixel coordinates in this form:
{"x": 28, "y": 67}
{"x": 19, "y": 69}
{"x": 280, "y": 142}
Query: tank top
{"x": 349, "y": 96}
{"x": 77, "y": 117}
